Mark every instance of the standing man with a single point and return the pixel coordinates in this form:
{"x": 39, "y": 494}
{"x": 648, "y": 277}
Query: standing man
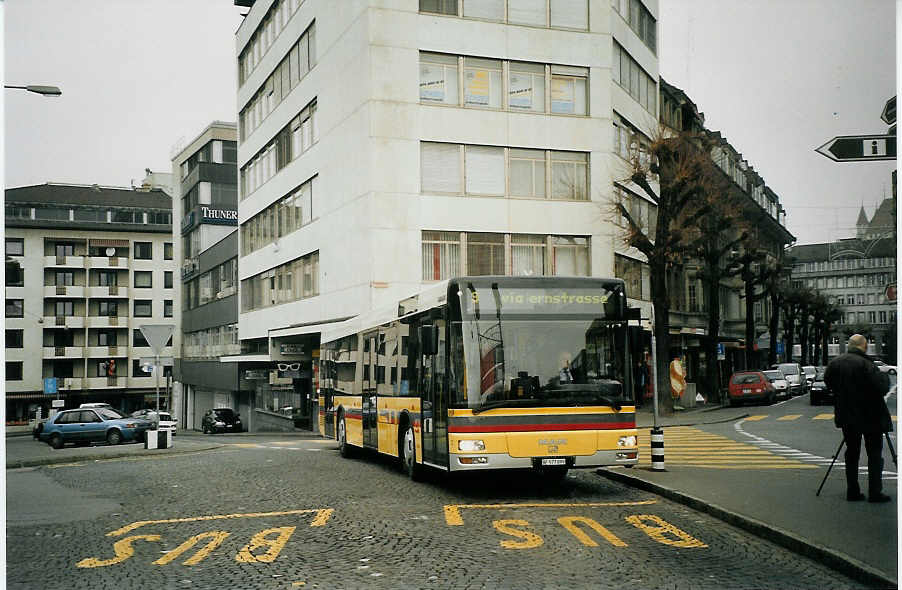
{"x": 858, "y": 388}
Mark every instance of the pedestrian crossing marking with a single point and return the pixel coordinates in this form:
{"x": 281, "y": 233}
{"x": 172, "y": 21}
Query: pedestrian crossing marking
{"x": 789, "y": 417}
{"x": 823, "y": 417}
{"x": 691, "y": 447}
{"x": 756, "y": 417}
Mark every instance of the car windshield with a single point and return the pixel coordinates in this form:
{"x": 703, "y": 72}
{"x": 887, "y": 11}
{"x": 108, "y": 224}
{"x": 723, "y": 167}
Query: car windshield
{"x": 789, "y": 369}
{"x": 108, "y": 413}
{"x": 810, "y": 371}
{"x": 774, "y": 375}
{"x": 224, "y": 414}
{"x": 743, "y": 378}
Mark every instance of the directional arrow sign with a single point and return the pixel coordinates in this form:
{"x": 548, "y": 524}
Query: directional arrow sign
{"x": 157, "y": 335}
{"x": 860, "y": 148}
{"x": 889, "y": 111}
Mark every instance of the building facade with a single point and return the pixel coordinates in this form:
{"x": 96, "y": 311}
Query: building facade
{"x": 762, "y": 216}
{"x": 858, "y": 276}
{"x": 206, "y": 247}
{"x": 86, "y": 267}
{"x": 388, "y": 145}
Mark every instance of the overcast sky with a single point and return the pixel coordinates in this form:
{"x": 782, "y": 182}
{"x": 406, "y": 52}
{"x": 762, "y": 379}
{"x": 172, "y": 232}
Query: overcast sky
{"x": 776, "y": 77}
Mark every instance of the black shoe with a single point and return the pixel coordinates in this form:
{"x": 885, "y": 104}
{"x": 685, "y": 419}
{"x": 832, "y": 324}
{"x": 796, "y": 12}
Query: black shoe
{"x": 855, "y": 497}
{"x": 879, "y": 498}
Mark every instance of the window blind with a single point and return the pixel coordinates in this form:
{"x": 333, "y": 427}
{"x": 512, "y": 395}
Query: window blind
{"x": 440, "y": 167}
{"x": 485, "y": 170}
{"x": 528, "y": 12}
{"x": 571, "y": 14}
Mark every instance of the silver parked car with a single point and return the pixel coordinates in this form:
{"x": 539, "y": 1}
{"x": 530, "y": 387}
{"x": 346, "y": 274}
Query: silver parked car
{"x": 794, "y": 377}
{"x": 778, "y": 380}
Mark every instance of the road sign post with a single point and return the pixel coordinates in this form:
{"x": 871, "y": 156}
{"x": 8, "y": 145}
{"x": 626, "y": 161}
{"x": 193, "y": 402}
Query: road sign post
{"x": 157, "y": 335}
{"x": 860, "y": 148}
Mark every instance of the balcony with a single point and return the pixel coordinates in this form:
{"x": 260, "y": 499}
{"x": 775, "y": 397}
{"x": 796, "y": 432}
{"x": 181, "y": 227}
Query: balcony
{"x": 70, "y": 383}
{"x": 64, "y": 352}
{"x": 106, "y": 292}
{"x": 64, "y": 262}
{"x": 64, "y": 291}
{"x": 105, "y": 382}
{"x": 102, "y": 321}
{"x": 64, "y": 321}
{"x": 107, "y": 262}
{"x": 102, "y": 352}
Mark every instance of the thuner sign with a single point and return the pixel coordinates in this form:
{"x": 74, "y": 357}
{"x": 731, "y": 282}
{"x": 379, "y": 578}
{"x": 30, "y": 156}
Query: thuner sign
{"x": 858, "y": 148}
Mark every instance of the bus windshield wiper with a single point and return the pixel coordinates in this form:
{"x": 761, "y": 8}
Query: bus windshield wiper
{"x": 505, "y": 403}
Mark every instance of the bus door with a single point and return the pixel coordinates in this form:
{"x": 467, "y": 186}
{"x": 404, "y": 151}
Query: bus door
{"x": 369, "y": 415}
{"x": 435, "y": 403}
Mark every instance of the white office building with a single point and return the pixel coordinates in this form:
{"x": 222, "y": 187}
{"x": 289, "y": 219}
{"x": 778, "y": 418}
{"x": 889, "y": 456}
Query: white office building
{"x": 385, "y": 145}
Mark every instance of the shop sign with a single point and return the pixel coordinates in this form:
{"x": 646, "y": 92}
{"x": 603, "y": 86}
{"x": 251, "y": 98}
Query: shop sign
{"x": 218, "y": 216}
{"x": 291, "y": 348}
{"x": 256, "y": 374}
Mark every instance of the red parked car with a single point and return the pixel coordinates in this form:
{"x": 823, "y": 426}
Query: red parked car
{"x": 750, "y": 386}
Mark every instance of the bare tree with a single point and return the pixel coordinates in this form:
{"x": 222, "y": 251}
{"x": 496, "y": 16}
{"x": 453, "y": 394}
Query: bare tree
{"x": 680, "y": 166}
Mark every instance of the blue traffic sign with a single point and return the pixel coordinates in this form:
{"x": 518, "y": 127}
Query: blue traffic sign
{"x": 50, "y": 386}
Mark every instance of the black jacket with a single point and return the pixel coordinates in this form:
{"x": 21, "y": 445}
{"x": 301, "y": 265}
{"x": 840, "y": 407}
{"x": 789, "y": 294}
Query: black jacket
{"x": 858, "y": 388}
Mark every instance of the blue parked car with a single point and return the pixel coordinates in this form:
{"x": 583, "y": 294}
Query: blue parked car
{"x": 86, "y": 425}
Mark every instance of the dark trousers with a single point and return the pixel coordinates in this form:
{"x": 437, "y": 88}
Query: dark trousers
{"x": 873, "y": 446}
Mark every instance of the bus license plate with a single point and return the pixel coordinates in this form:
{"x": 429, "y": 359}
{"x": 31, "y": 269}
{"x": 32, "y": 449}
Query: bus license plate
{"x": 554, "y": 461}
{"x": 746, "y": 391}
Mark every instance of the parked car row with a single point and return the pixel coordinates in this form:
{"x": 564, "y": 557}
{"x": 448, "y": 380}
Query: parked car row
{"x": 782, "y": 380}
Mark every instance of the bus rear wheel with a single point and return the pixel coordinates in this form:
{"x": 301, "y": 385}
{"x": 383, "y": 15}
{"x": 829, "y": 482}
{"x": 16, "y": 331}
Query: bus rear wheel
{"x": 343, "y": 448}
{"x": 408, "y": 455}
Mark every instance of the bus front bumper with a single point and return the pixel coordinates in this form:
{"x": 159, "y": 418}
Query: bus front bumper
{"x": 490, "y": 461}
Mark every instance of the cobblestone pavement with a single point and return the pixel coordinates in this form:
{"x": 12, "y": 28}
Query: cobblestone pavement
{"x": 299, "y": 516}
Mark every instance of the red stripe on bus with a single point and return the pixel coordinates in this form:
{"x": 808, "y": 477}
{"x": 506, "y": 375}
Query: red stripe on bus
{"x": 537, "y": 427}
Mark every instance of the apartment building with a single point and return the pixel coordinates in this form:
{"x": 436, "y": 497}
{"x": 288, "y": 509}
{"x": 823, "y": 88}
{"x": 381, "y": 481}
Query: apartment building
{"x": 86, "y": 266}
{"x": 858, "y": 275}
{"x": 760, "y": 209}
{"x": 206, "y": 248}
{"x": 384, "y": 146}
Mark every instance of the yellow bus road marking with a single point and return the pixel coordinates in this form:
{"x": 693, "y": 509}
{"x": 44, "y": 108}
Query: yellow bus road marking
{"x": 284, "y": 442}
{"x": 454, "y": 518}
{"x": 756, "y": 417}
{"x": 321, "y": 518}
{"x": 789, "y": 417}
{"x": 245, "y": 445}
{"x": 750, "y": 467}
{"x": 322, "y": 441}
{"x": 823, "y": 417}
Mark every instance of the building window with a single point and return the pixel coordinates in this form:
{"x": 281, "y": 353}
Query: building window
{"x": 143, "y": 279}
{"x": 693, "y": 298}
{"x": 167, "y": 308}
{"x": 107, "y": 278}
{"x": 631, "y": 272}
{"x": 143, "y": 250}
{"x": 488, "y": 170}
{"x": 64, "y": 278}
{"x": 15, "y": 308}
{"x": 564, "y": 14}
{"x": 107, "y": 308}
{"x": 106, "y": 338}
{"x": 15, "y": 247}
{"x": 64, "y": 249}
{"x": 632, "y": 78}
{"x": 13, "y": 370}
{"x": 439, "y": 6}
{"x": 283, "y": 217}
{"x": 167, "y": 279}
{"x": 570, "y": 256}
{"x": 527, "y": 87}
{"x": 143, "y": 308}
{"x": 138, "y": 339}
{"x": 167, "y": 251}
{"x": 14, "y": 338}
{"x": 882, "y": 316}
{"x": 527, "y": 255}
{"x": 640, "y": 20}
{"x": 292, "y": 281}
{"x": 64, "y": 308}
{"x": 441, "y": 255}
{"x": 872, "y": 317}
{"x": 137, "y": 371}
{"x": 485, "y": 254}
{"x": 15, "y": 276}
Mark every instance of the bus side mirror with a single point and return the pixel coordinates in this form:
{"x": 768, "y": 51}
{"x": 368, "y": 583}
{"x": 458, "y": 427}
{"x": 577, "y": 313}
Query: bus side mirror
{"x": 428, "y": 339}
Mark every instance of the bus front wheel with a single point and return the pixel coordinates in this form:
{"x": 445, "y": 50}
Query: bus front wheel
{"x": 409, "y": 455}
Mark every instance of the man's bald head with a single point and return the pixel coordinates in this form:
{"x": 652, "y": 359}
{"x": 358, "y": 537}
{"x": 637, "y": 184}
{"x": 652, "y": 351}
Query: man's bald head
{"x": 858, "y": 342}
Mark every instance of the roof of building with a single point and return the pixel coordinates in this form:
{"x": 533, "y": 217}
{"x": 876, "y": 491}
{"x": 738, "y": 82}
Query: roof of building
{"x": 841, "y": 249}
{"x": 78, "y": 194}
{"x": 883, "y": 219}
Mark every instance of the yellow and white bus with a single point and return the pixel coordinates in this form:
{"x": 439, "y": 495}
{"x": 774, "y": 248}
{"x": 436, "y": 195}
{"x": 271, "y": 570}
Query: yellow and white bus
{"x": 485, "y": 373}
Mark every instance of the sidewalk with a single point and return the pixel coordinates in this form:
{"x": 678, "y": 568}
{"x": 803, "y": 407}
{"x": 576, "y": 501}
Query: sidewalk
{"x": 858, "y": 539}
{"x": 23, "y": 451}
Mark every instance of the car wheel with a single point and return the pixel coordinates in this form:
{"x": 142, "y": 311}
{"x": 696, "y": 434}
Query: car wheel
{"x": 892, "y": 371}
{"x": 344, "y": 448}
{"x": 56, "y": 441}
{"x": 114, "y": 437}
{"x": 409, "y": 455}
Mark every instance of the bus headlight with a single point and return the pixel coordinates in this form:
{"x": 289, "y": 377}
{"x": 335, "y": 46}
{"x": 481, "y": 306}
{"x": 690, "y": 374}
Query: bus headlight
{"x": 470, "y": 446}
{"x": 627, "y": 441}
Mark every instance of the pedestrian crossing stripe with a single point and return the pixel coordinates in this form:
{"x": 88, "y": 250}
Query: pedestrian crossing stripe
{"x": 756, "y": 417}
{"x": 691, "y": 447}
{"x": 823, "y": 417}
{"x": 790, "y": 417}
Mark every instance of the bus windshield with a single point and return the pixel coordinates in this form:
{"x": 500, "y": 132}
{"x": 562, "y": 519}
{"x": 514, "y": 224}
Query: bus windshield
{"x": 541, "y": 362}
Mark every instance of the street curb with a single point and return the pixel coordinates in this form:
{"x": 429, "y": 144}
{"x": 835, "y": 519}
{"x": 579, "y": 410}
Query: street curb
{"x": 832, "y": 559}
{"x": 40, "y": 462}
{"x": 721, "y": 421}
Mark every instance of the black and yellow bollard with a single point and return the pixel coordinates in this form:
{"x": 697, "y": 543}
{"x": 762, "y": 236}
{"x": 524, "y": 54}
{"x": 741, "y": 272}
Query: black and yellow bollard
{"x": 657, "y": 449}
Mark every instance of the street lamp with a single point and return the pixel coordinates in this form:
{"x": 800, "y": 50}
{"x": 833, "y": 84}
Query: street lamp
{"x": 43, "y": 90}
